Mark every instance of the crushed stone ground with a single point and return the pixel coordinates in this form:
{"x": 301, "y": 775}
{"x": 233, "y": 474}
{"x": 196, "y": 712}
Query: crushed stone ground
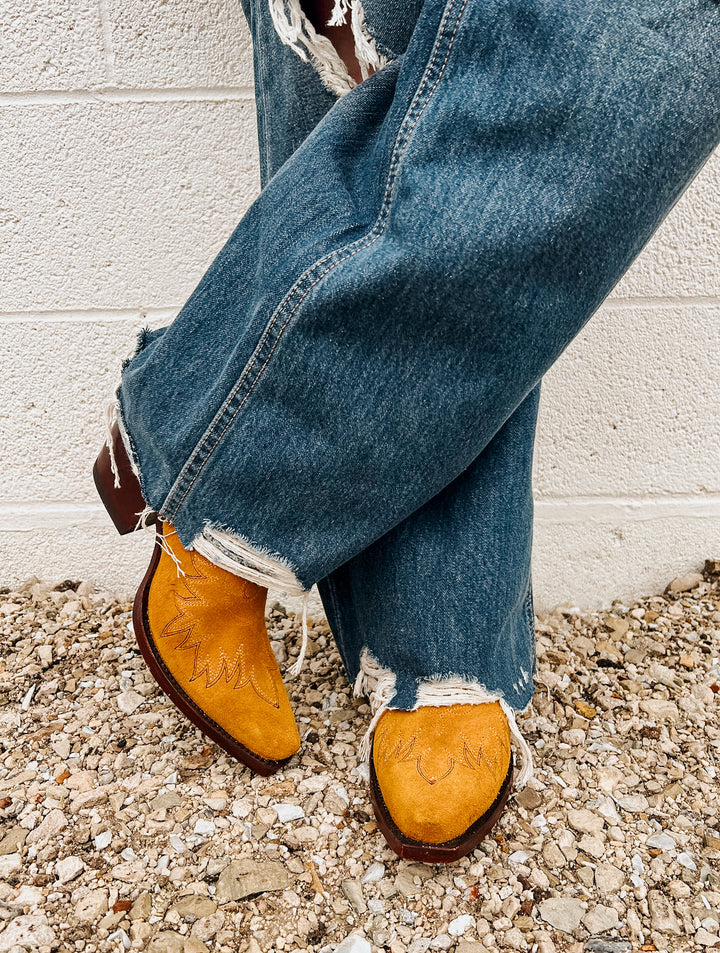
{"x": 123, "y": 828}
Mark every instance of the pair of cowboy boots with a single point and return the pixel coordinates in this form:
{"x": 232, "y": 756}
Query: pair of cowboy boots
{"x": 439, "y": 776}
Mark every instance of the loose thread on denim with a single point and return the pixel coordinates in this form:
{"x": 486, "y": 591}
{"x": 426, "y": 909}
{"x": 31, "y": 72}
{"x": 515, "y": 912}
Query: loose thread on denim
{"x": 164, "y": 545}
{"x": 368, "y": 56}
{"x": 127, "y": 443}
{"x": 143, "y": 517}
{"x": 112, "y": 409}
{"x": 242, "y": 557}
{"x": 338, "y": 17}
{"x": 288, "y": 22}
{"x": 297, "y": 667}
{"x": 526, "y": 771}
{"x": 295, "y": 30}
{"x": 379, "y": 684}
{"x": 113, "y": 418}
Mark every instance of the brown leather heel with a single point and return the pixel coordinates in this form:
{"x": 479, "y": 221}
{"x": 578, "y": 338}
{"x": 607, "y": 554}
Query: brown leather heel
{"x": 124, "y": 503}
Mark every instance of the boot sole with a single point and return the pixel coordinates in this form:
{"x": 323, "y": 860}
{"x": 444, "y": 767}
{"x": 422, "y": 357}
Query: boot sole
{"x": 448, "y": 851}
{"x": 177, "y": 696}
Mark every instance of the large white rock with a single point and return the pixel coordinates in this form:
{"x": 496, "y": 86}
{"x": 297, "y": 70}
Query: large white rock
{"x": 461, "y": 925}
{"x": 92, "y": 906}
{"x": 68, "y": 869}
{"x": 563, "y": 913}
{"x": 29, "y": 932}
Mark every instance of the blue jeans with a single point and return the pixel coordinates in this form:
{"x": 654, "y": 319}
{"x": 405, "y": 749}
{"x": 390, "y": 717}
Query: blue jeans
{"x": 349, "y": 396}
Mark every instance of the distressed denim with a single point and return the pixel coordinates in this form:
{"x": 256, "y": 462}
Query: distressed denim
{"x": 349, "y": 396}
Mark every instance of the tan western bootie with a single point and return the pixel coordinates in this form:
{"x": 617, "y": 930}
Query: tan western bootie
{"x": 440, "y": 777}
{"x": 202, "y": 633}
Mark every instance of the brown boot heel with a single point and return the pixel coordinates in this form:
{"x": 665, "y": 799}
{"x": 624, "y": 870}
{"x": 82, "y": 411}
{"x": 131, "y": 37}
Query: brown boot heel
{"x": 125, "y": 502}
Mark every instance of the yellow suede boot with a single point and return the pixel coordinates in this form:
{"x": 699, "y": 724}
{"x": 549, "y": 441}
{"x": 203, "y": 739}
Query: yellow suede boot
{"x": 202, "y": 632}
{"x": 440, "y": 777}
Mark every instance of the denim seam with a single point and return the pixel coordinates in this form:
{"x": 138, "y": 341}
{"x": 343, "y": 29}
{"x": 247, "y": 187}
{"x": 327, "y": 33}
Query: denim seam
{"x": 228, "y": 412}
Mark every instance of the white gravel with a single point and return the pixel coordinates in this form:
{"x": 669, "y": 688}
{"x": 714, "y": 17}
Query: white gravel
{"x": 123, "y": 828}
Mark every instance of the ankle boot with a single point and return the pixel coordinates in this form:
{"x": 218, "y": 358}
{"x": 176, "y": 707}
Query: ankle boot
{"x": 202, "y": 633}
{"x": 439, "y": 778}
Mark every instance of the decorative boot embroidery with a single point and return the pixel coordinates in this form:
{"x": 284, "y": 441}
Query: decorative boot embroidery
{"x": 474, "y": 757}
{"x": 212, "y": 660}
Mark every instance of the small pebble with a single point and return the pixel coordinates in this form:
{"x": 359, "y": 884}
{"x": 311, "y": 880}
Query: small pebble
{"x": 461, "y": 925}
{"x": 661, "y": 841}
{"x": 288, "y": 812}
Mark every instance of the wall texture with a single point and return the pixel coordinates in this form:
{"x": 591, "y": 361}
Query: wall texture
{"x": 128, "y": 155}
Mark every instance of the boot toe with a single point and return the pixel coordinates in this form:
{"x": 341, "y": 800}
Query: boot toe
{"x": 439, "y": 774}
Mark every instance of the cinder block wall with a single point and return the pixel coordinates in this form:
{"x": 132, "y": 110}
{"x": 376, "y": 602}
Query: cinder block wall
{"x": 128, "y": 156}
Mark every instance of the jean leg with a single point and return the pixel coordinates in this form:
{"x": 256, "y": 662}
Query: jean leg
{"x": 290, "y": 96}
{"x": 447, "y": 593}
{"x": 410, "y": 273}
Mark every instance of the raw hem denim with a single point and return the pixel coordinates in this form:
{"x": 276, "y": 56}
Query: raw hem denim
{"x": 352, "y": 387}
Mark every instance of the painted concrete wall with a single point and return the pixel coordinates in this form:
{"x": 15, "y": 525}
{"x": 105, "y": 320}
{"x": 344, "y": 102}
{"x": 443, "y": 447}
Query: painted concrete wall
{"x": 128, "y": 155}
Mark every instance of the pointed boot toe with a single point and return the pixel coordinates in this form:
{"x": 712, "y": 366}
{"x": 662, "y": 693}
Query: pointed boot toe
{"x": 202, "y": 633}
{"x": 440, "y": 778}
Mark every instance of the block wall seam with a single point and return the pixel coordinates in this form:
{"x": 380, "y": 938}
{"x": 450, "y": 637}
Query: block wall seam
{"x": 117, "y": 95}
{"x": 108, "y": 51}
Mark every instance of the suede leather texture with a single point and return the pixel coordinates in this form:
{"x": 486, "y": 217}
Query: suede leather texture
{"x": 208, "y": 626}
{"x": 440, "y": 768}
